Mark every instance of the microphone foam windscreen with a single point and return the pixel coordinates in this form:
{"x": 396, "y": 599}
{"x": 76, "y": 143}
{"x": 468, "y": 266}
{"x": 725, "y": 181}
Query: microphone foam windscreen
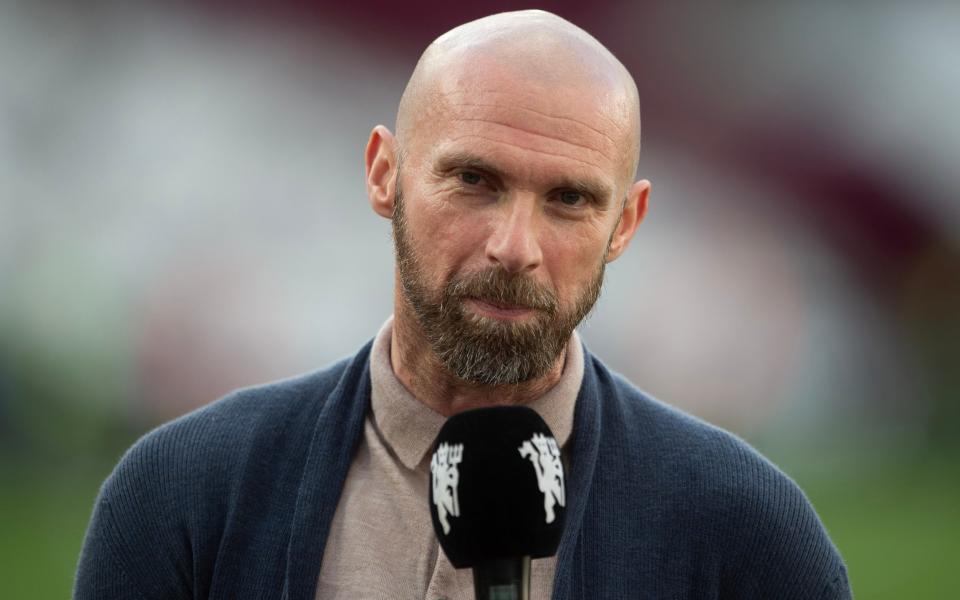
{"x": 497, "y": 486}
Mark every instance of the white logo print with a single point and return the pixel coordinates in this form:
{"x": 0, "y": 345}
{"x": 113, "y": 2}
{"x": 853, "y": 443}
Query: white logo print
{"x": 443, "y": 467}
{"x": 544, "y": 453}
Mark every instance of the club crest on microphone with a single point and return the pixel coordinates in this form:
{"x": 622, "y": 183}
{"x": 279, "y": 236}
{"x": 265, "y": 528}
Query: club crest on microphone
{"x": 544, "y": 454}
{"x": 446, "y": 476}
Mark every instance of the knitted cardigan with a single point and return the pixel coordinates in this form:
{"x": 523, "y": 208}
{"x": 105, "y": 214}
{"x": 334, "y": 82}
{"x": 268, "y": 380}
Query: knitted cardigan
{"x": 235, "y": 500}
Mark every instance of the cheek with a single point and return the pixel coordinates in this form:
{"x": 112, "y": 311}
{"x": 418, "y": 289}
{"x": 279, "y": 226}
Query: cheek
{"x": 448, "y": 239}
{"x": 572, "y": 257}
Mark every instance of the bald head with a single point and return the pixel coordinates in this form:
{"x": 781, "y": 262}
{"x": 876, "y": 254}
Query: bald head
{"x": 529, "y": 52}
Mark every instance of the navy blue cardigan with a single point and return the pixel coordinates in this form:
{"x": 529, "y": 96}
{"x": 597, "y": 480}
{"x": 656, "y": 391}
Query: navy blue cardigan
{"x": 235, "y": 500}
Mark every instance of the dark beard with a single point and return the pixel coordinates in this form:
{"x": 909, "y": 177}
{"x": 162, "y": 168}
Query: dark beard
{"x": 484, "y": 350}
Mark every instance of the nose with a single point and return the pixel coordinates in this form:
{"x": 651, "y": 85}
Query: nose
{"x": 513, "y": 241}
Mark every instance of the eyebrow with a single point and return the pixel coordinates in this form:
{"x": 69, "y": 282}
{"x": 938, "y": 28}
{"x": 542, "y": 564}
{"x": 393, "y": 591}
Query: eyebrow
{"x": 470, "y": 162}
{"x": 599, "y": 192}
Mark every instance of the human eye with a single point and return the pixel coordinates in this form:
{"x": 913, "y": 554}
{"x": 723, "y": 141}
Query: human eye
{"x": 470, "y": 177}
{"x": 571, "y": 198}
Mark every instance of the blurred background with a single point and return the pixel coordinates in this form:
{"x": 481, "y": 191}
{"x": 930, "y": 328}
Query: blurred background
{"x": 182, "y": 212}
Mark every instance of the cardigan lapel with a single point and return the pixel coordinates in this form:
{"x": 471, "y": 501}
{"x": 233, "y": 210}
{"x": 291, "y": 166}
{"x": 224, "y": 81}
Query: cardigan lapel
{"x": 584, "y": 446}
{"x": 335, "y": 438}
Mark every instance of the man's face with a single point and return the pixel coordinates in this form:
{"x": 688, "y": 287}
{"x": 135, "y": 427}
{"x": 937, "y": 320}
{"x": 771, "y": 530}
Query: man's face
{"x": 504, "y": 214}
{"x": 479, "y": 347}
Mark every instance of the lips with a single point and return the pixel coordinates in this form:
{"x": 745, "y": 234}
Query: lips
{"x": 498, "y": 308}
{"x": 502, "y": 305}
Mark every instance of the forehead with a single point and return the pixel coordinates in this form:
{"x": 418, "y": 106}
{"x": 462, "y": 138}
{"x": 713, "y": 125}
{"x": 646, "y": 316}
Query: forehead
{"x": 574, "y": 125}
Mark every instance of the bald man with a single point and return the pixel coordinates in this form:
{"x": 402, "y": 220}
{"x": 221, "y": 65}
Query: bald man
{"x": 509, "y": 184}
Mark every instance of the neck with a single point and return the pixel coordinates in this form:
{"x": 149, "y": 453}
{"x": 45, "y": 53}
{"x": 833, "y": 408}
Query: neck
{"x": 430, "y": 382}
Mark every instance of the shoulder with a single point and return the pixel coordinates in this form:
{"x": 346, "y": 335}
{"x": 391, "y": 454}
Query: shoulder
{"x": 666, "y": 438}
{"x": 774, "y": 544}
{"x": 211, "y": 441}
{"x": 657, "y": 433}
{"x": 165, "y": 507}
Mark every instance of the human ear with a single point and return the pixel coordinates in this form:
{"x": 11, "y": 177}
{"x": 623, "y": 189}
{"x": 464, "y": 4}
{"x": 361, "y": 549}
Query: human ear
{"x": 381, "y": 162}
{"x": 634, "y": 210}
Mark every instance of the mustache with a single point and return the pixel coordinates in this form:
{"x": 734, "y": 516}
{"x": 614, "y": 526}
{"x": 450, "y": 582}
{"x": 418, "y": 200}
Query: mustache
{"x": 496, "y": 285}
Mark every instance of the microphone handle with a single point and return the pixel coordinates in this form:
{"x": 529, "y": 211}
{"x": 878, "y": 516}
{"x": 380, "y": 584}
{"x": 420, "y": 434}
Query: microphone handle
{"x": 502, "y": 579}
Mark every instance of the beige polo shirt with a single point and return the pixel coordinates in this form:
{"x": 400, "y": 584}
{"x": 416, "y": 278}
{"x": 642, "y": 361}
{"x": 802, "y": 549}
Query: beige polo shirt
{"x": 381, "y": 544}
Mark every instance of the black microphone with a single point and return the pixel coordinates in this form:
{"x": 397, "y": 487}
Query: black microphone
{"x": 497, "y": 496}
